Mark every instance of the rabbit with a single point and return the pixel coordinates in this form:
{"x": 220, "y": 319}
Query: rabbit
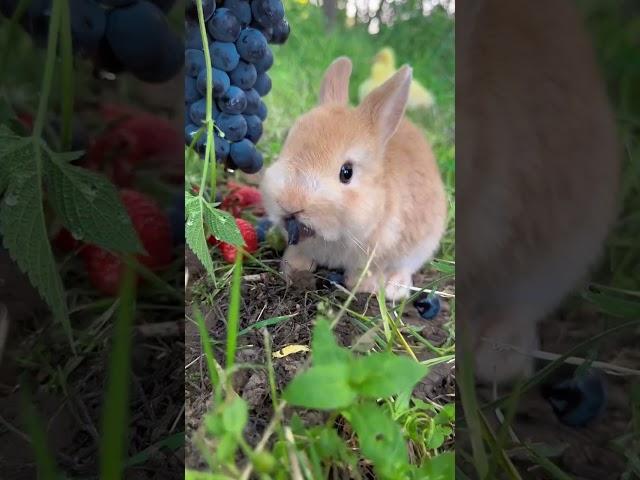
{"x": 537, "y": 180}
{"x": 353, "y": 184}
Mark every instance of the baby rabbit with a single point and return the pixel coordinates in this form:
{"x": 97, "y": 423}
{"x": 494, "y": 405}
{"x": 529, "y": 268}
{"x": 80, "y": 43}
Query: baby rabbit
{"x": 537, "y": 173}
{"x": 354, "y": 183}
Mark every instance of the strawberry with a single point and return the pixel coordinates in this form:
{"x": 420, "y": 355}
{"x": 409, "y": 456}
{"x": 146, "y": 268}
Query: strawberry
{"x": 64, "y": 241}
{"x": 241, "y": 197}
{"x": 250, "y": 237}
{"x": 105, "y": 269}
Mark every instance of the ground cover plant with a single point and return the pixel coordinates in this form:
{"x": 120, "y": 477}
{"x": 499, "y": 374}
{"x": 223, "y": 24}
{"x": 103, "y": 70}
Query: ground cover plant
{"x": 308, "y": 380}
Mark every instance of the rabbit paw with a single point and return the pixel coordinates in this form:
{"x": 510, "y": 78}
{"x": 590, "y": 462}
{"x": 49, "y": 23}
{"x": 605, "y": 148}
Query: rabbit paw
{"x": 295, "y": 261}
{"x": 398, "y": 286}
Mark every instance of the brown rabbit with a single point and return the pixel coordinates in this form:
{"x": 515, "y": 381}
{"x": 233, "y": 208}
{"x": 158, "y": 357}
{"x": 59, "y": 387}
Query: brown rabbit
{"x": 355, "y": 182}
{"x": 538, "y": 169}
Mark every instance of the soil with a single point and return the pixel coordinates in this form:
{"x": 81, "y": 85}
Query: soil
{"x": 266, "y": 295}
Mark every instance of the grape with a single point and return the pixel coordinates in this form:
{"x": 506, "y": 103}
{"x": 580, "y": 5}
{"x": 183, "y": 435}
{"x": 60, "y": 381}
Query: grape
{"x": 224, "y": 55}
{"x": 190, "y": 132}
{"x": 263, "y": 84}
{"x": 253, "y": 102}
{"x": 252, "y": 45}
{"x": 193, "y": 62}
{"x": 193, "y": 37}
{"x": 164, "y": 5}
{"x": 266, "y": 31}
{"x": 198, "y": 111}
{"x": 234, "y": 127}
{"x": 221, "y": 82}
{"x": 88, "y": 25}
{"x": 267, "y": 12}
{"x": 242, "y": 153}
{"x": 191, "y": 11}
{"x": 222, "y": 148}
{"x": 262, "y": 111}
{"x": 190, "y": 91}
{"x": 224, "y": 26}
{"x": 244, "y": 75}
{"x": 256, "y": 163}
{"x": 265, "y": 63}
{"x": 241, "y": 9}
{"x": 232, "y": 101}
{"x": 117, "y": 3}
{"x": 281, "y": 32}
{"x": 138, "y": 48}
{"x": 254, "y": 127}
{"x": 170, "y": 63}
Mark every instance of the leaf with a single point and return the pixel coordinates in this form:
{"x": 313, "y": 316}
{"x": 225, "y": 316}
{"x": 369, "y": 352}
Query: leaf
{"x": 325, "y": 350}
{"x": 89, "y": 206}
{"x": 24, "y": 234}
{"x": 440, "y": 467}
{"x": 323, "y": 387}
{"x": 15, "y": 153}
{"x": 194, "y": 230}
{"x": 235, "y": 416}
{"x": 226, "y": 448}
{"x": 222, "y": 225}
{"x": 380, "y": 439}
{"x": 385, "y": 374}
{"x": 290, "y": 350}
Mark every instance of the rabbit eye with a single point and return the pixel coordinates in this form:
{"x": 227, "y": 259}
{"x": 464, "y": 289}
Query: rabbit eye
{"x": 346, "y": 172}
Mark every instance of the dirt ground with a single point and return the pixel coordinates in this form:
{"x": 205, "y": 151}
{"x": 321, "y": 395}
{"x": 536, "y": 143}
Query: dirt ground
{"x": 264, "y": 296}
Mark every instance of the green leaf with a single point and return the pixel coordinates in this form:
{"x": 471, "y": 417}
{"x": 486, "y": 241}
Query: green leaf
{"x": 235, "y": 416}
{"x": 23, "y": 229}
{"x": 194, "y": 230}
{"x": 89, "y": 206}
{"x": 440, "y": 467}
{"x": 226, "y": 448}
{"x": 380, "y": 439}
{"x": 222, "y": 225}
{"x": 385, "y": 374}
{"x": 324, "y": 349}
{"x": 15, "y": 153}
{"x": 323, "y": 387}
{"x": 329, "y": 444}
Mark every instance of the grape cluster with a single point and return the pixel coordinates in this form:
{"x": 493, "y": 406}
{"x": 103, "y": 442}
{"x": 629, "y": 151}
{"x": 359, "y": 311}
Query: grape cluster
{"x": 239, "y": 33}
{"x": 118, "y": 35}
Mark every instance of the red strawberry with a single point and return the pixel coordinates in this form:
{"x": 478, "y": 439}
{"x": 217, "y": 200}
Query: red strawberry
{"x": 64, "y": 241}
{"x": 152, "y": 225}
{"x": 241, "y": 197}
{"x": 250, "y": 237}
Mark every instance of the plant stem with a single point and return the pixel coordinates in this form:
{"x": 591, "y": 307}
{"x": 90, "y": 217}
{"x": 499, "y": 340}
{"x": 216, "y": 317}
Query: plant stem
{"x": 209, "y": 110}
{"x": 67, "y": 77}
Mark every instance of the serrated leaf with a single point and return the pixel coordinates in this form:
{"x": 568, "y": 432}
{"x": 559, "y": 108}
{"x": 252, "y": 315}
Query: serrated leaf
{"x": 89, "y": 206}
{"x": 324, "y": 387}
{"x": 194, "y": 230}
{"x": 24, "y": 234}
{"x": 222, "y": 225}
{"x": 384, "y": 374}
{"x": 15, "y": 153}
{"x": 325, "y": 350}
{"x": 380, "y": 439}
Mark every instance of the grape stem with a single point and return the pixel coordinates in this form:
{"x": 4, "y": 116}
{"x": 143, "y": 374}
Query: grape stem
{"x": 209, "y": 110}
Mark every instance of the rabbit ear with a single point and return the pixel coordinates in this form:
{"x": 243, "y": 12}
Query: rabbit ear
{"x": 335, "y": 84}
{"x": 384, "y": 107}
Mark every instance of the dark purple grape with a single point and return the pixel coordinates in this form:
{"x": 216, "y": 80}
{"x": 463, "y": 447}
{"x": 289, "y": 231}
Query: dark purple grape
{"x": 222, "y": 148}
{"x": 234, "y": 127}
{"x": 267, "y": 12}
{"x": 281, "y": 32}
{"x": 266, "y": 31}
{"x": 221, "y": 82}
{"x": 190, "y": 91}
{"x": 253, "y": 102}
{"x": 265, "y": 63}
{"x": 117, "y": 3}
{"x": 263, "y": 84}
{"x": 254, "y": 128}
{"x": 164, "y": 5}
{"x": 262, "y": 111}
{"x": 193, "y": 62}
{"x": 136, "y": 47}
{"x": 193, "y": 37}
{"x": 232, "y": 101}
{"x": 191, "y": 11}
{"x": 224, "y": 26}
{"x": 251, "y": 45}
{"x": 190, "y": 133}
{"x": 169, "y": 65}
{"x": 242, "y": 153}
{"x": 244, "y": 75}
{"x": 88, "y": 25}
{"x": 256, "y": 163}
{"x": 224, "y": 55}
{"x": 198, "y": 111}
{"x": 241, "y": 9}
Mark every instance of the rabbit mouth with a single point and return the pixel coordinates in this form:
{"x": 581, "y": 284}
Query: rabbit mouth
{"x": 297, "y": 231}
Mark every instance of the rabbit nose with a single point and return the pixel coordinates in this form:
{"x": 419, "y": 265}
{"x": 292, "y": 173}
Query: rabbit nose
{"x": 292, "y": 225}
